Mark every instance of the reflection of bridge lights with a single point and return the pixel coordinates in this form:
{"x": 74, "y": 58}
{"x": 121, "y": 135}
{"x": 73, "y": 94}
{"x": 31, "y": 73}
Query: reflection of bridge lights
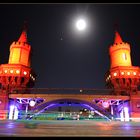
{"x": 105, "y": 104}
{"x": 32, "y": 103}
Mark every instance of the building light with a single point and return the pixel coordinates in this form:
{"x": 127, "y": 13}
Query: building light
{"x": 122, "y": 115}
{"x": 11, "y": 71}
{"x": 134, "y": 73}
{"x": 16, "y": 113}
{"x": 105, "y": 104}
{"x": 17, "y": 71}
{"x": 32, "y": 103}
{"x": 5, "y": 71}
{"x": 115, "y": 74}
{"x": 128, "y": 73}
{"x": 11, "y": 112}
{"x": 25, "y": 73}
{"x": 126, "y": 113}
{"x": 122, "y": 73}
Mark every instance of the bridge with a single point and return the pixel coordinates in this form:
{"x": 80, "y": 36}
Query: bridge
{"x": 94, "y": 99}
{"x": 17, "y": 80}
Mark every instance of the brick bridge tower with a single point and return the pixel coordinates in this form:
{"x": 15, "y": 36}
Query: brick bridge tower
{"x": 17, "y": 73}
{"x": 123, "y": 77}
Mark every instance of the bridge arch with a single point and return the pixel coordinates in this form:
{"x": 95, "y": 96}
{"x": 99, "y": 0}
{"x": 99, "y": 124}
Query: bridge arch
{"x": 46, "y": 105}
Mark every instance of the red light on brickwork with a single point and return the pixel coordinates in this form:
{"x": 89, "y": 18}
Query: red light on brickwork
{"x": 25, "y": 73}
{"x": 122, "y": 73}
{"x": 115, "y": 74}
{"x": 11, "y": 71}
{"x": 134, "y": 73}
{"x": 17, "y": 71}
{"x": 128, "y": 73}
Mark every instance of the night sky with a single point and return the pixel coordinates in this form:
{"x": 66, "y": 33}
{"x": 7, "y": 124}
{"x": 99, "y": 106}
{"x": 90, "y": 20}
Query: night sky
{"x": 61, "y": 56}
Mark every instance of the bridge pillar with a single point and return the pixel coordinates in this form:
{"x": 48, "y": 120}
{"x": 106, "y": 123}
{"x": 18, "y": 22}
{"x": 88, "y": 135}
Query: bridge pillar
{"x": 135, "y": 107}
{"x": 3, "y": 105}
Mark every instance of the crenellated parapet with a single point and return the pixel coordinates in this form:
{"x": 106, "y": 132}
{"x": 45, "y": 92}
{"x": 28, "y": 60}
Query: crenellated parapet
{"x": 122, "y": 75}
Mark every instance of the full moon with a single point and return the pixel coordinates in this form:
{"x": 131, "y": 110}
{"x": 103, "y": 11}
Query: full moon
{"x": 81, "y": 24}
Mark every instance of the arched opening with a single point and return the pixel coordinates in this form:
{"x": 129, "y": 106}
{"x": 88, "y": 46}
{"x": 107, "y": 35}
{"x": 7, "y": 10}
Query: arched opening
{"x": 69, "y": 109}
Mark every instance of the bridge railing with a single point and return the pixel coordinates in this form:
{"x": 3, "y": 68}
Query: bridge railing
{"x": 54, "y": 115}
{"x": 67, "y": 91}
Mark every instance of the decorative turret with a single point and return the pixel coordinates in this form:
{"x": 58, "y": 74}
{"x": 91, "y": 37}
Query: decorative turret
{"x": 20, "y": 50}
{"x": 18, "y": 73}
{"x": 120, "y": 52}
{"x": 122, "y": 75}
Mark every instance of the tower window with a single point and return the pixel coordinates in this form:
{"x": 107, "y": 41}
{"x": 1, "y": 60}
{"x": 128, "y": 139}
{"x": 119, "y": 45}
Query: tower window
{"x": 124, "y": 56}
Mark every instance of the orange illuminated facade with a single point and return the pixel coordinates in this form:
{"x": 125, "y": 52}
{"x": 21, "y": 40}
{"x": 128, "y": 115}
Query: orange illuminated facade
{"x": 17, "y": 73}
{"x": 20, "y": 51}
{"x": 120, "y": 53}
{"x": 122, "y": 75}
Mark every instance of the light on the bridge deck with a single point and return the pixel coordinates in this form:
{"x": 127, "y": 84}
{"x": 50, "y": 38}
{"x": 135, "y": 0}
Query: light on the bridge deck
{"x": 11, "y": 112}
{"x": 126, "y": 113}
{"x": 16, "y": 113}
{"x": 122, "y": 115}
{"x": 105, "y": 104}
{"x": 32, "y": 103}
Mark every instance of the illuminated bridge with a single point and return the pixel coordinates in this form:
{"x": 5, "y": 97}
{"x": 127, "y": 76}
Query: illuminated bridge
{"x": 103, "y": 102}
{"x": 120, "y": 100}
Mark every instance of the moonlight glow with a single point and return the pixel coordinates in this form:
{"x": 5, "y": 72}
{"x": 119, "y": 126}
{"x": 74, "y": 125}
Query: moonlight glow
{"x": 81, "y": 24}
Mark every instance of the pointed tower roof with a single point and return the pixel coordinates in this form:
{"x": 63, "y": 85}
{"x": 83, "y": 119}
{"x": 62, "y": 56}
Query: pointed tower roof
{"x": 118, "y": 38}
{"x": 23, "y": 36}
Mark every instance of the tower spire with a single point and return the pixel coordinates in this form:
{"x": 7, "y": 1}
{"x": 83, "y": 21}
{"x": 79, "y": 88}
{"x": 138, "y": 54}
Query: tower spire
{"x": 23, "y": 36}
{"x": 118, "y": 38}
